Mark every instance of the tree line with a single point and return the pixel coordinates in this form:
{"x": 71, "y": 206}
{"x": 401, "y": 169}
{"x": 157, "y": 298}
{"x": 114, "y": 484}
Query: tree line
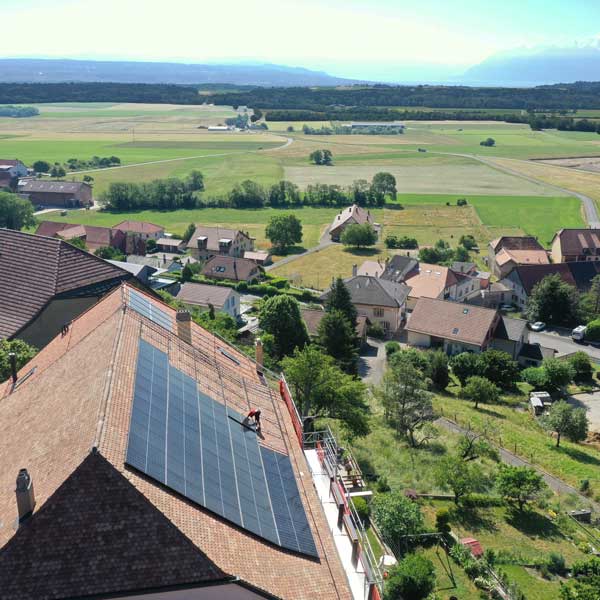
{"x": 18, "y": 112}
{"x": 170, "y": 194}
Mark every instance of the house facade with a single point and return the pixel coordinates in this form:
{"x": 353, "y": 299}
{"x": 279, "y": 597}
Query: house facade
{"x": 379, "y": 301}
{"x": 507, "y": 252}
{"x": 352, "y": 215}
{"x": 207, "y": 242}
{"x": 576, "y": 245}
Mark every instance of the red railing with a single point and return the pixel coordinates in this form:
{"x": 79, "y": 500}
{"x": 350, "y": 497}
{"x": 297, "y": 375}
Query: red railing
{"x": 284, "y": 390}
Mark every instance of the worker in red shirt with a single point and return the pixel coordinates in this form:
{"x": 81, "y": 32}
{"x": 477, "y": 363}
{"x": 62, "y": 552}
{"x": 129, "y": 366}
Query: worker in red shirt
{"x": 255, "y": 415}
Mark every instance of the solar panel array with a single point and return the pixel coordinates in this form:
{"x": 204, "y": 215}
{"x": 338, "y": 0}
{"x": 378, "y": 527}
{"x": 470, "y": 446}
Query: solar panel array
{"x": 196, "y": 446}
{"x": 144, "y": 307}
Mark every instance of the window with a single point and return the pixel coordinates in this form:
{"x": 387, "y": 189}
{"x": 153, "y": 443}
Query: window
{"x": 378, "y": 312}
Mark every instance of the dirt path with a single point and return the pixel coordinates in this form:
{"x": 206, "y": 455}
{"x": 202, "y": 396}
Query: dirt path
{"x": 324, "y": 242}
{"x": 554, "y": 483}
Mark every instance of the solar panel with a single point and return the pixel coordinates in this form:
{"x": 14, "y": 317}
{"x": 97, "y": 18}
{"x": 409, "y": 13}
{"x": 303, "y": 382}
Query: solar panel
{"x": 199, "y": 448}
{"x": 144, "y": 307}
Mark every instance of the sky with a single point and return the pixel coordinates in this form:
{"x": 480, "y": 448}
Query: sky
{"x": 351, "y": 38}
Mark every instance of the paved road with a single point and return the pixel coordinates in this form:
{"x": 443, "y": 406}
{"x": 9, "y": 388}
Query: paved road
{"x": 554, "y": 483}
{"x": 561, "y": 341}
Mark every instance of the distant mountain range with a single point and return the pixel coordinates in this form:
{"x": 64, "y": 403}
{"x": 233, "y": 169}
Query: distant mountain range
{"x": 28, "y": 70}
{"x": 537, "y": 66}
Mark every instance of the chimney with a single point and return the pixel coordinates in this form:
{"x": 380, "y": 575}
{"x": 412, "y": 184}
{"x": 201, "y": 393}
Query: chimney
{"x": 354, "y": 270}
{"x": 184, "y": 325}
{"x": 25, "y": 495}
{"x": 13, "y": 365}
{"x": 259, "y": 355}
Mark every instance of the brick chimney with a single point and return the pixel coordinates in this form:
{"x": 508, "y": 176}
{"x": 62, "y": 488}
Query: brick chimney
{"x": 184, "y": 325}
{"x": 25, "y": 495}
{"x": 259, "y": 355}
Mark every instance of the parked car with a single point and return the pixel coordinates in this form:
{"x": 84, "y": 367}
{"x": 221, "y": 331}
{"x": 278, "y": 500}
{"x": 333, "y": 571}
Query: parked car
{"x": 537, "y": 326}
{"x": 578, "y": 334}
{"x": 507, "y": 308}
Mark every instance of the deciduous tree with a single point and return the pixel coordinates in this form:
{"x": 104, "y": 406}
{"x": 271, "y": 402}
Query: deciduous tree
{"x": 565, "y": 420}
{"x": 480, "y": 389}
{"x": 359, "y": 235}
{"x": 15, "y": 212}
{"x": 280, "y": 316}
{"x": 396, "y": 516}
{"x": 23, "y": 352}
{"x": 284, "y": 231}
{"x": 460, "y": 477}
{"x": 384, "y": 183}
{"x": 519, "y": 485}
{"x": 413, "y": 578}
{"x": 553, "y": 301}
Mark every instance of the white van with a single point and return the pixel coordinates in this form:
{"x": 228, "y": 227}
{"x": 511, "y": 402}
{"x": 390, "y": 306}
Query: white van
{"x": 578, "y": 334}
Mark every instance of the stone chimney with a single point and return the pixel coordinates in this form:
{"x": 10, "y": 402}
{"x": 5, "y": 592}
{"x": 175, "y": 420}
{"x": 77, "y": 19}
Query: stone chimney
{"x": 184, "y": 325}
{"x": 354, "y": 270}
{"x": 259, "y": 355}
{"x": 25, "y": 495}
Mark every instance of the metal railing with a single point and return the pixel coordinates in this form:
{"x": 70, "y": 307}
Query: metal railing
{"x": 329, "y": 453}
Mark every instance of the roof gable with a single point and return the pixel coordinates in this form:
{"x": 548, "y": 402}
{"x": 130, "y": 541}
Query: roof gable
{"x": 530, "y": 275}
{"x": 114, "y": 538}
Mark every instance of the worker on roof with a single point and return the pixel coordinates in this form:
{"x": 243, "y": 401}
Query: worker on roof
{"x": 254, "y": 414}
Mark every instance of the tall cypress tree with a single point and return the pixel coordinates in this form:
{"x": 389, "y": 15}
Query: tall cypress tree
{"x": 339, "y": 299}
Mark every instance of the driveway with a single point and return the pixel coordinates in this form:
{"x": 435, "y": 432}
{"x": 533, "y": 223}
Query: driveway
{"x": 372, "y": 360}
{"x": 591, "y": 402}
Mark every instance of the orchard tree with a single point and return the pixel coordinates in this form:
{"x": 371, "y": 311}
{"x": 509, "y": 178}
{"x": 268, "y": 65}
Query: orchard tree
{"x": 384, "y": 183}
{"x": 460, "y": 477}
{"x": 519, "y": 485}
{"x": 396, "y": 517}
{"x": 15, "y": 212}
{"x": 499, "y": 368}
{"x": 359, "y": 235}
{"x": 553, "y": 301}
{"x": 481, "y": 390}
{"x": 284, "y": 231}
{"x": 280, "y": 316}
{"x": 565, "y": 420}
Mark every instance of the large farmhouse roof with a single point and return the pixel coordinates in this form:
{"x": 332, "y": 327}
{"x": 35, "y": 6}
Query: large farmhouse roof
{"x": 35, "y": 269}
{"x": 144, "y": 476}
{"x": 579, "y": 241}
{"x": 27, "y": 186}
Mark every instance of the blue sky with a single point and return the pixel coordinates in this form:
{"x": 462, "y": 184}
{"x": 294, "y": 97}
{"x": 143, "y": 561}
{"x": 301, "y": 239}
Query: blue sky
{"x": 351, "y": 37}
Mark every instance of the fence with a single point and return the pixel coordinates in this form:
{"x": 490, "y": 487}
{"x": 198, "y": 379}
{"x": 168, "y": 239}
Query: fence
{"x": 329, "y": 454}
{"x": 286, "y": 395}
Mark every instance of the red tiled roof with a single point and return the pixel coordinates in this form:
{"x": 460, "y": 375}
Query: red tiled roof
{"x": 228, "y": 267}
{"x": 95, "y": 237}
{"x": 139, "y": 227}
{"x": 80, "y": 396}
{"x": 35, "y": 269}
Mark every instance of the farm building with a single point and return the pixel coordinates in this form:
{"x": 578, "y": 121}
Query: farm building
{"x": 507, "y": 252}
{"x": 10, "y": 172}
{"x": 122, "y": 492}
{"x": 167, "y": 244}
{"x": 576, "y": 244}
{"x": 353, "y": 215}
{"x": 93, "y": 236}
{"x": 260, "y": 257}
{"x": 64, "y": 194}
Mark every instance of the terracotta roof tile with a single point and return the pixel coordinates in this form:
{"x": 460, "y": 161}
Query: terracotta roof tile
{"x": 139, "y": 227}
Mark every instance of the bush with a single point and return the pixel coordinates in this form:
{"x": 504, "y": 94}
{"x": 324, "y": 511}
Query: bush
{"x": 556, "y": 563}
{"x": 375, "y": 330}
{"x": 382, "y": 485}
{"x": 413, "y": 578}
{"x": 242, "y": 286}
{"x": 150, "y": 245}
{"x": 461, "y": 202}
{"x": 391, "y": 348}
{"x": 592, "y": 331}
{"x": 442, "y": 520}
{"x": 582, "y": 365}
{"x": 363, "y": 510}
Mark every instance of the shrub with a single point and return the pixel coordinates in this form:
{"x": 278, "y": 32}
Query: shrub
{"x": 391, "y": 348}
{"x": 150, "y": 245}
{"x": 382, "y": 485}
{"x": 242, "y": 286}
{"x": 413, "y": 578}
{"x": 582, "y": 365}
{"x": 442, "y": 520}
{"x": 461, "y": 202}
{"x": 556, "y": 563}
{"x": 363, "y": 510}
{"x": 375, "y": 330}
{"x": 592, "y": 331}
{"x": 396, "y": 516}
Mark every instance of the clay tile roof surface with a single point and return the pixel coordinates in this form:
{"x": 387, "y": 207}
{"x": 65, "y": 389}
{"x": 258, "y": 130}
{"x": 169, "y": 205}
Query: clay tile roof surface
{"x": 515, "y": 242}
{"x": 452, "y": 321}
{"x": 95, "y": 237}
{"x": 430, "y": 281}
{"x": 43, "y": 185}
{"x": 522, "y": 257}
{"x": 213, "y": 235}
{"x": 354, "y": 212}
{"x": 203, "y": 294}
{"x": 575, "y": 241}
{"x": 139, "y": 227}
{"x": 101, "y": 527}
{"x": 35, "y": 269}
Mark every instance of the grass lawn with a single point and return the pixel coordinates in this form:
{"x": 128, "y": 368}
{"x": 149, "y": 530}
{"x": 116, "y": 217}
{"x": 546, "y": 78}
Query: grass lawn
{"x": 316, "y": 270}
{"x": 314, "y": 220}
{"x": 531, "y": 583}
{"x": 518, "y": 430}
